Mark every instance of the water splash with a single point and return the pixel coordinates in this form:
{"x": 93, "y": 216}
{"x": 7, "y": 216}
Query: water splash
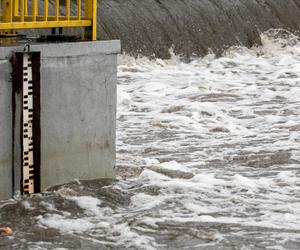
{"x": 208, "y": 158}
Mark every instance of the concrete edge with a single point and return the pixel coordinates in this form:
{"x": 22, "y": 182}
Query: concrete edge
{"x": 70, "y": 49}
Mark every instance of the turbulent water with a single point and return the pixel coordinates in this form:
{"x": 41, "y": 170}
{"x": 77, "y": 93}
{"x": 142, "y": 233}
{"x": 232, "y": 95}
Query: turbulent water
{"x": 208, "y": 158}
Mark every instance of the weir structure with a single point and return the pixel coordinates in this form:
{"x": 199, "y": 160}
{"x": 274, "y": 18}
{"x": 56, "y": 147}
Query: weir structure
{"x": 57, "y": 99}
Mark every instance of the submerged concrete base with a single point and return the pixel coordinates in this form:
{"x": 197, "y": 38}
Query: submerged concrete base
{"x": 78, "y": 113}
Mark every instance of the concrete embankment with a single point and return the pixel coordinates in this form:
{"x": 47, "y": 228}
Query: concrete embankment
{"x": 151, "y": 27}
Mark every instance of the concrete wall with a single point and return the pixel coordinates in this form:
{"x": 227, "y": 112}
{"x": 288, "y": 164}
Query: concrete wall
{"x": 78, "y": 109}
{"x": 191, "y": 27}
{"x": 151, "y": 27}
{"x": 5, "y": 130}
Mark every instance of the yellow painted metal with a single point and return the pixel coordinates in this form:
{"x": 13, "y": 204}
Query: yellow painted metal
{"x": 26, "y": 7}
{"x": 7, "y": 15}
{"x": 57, "y": 9}
{"x": 46, "y": 10}
{"x": 90, "y": 9}
{"x": 94, "y": 20}
{"x": 79, "y": 9}
{"x": 68, "y": 9}
{"x": 50, "y": 18}
{"x": 53, "y": 24}
{"x": 22, "y": 10}
{"x": 6, "y": 11}
{"x": 34, "y": 9}
{"x": 16, "y": 7}
{"x": 15, "y": 16}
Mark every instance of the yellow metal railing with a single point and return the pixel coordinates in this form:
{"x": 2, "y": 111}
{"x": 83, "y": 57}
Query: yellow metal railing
{"x": 24, "y": 14}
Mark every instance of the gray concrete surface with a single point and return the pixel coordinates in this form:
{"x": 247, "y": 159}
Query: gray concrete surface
{"x": 191, "y": 27}
{"x": 151, "y": 27}
{"x": 78, "y": 110}
{"x": 5, "y": 130}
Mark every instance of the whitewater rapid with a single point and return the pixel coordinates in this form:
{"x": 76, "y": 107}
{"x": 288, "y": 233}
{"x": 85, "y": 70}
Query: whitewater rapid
{"x": 208, "y": 158}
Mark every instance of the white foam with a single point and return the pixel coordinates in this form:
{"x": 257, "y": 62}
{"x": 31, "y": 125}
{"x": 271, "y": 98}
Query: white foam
{"x": 89, "y": 204}
{"x": 229, "y": 121}
{"x": 226, "y": 128}
{"x": 66, "y": 225}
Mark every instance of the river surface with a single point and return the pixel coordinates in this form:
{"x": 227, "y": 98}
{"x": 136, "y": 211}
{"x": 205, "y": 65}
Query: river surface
{"x": 208, "y": 157}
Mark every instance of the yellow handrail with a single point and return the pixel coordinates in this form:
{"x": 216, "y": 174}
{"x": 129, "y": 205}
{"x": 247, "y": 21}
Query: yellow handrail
{"x": 46, "y": 10}
{"x": 17, "y": 15}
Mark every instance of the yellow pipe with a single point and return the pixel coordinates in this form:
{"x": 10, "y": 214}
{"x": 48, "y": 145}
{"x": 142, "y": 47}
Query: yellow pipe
{"x": 94, "y": 21}
{"x": 68, "y": 9}
{"x": 16, "y": 7}
{"x": 7, "y": 11}
{"x": 34, "y": 9}
{"x": 57, "y": 9}
{"x": 22, "y": 10}
{"x": 42, "y": 25}
{"x": 90, "y": 9}
{"x": 46, "y": 10}
{"x": 26, "y": 7}
{"x": 50, "y": 19}
{"x": 79, "y": 9}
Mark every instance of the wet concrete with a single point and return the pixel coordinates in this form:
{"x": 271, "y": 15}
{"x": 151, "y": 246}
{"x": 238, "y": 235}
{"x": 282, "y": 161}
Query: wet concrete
{"x": 151, "y": 27}
{"x": 78, "y": 114}
{"x": 190, "y": 27}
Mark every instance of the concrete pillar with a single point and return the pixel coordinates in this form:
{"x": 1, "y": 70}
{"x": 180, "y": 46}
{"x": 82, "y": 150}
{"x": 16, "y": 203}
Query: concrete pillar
{"x": 78, "y": 110}
{"x": 5, "y": 130}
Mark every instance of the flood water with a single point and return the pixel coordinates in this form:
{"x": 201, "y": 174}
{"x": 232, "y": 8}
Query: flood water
{"x": 208, "y": 157}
